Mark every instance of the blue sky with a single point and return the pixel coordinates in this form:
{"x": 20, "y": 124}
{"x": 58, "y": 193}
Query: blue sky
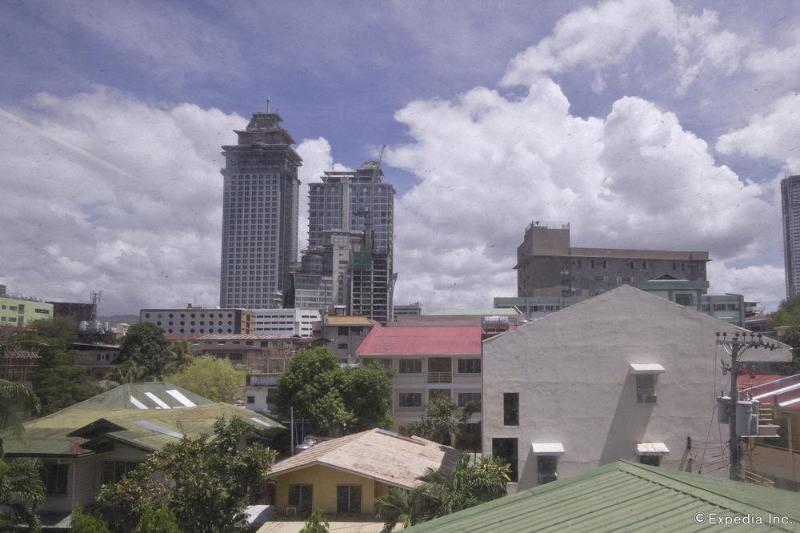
{"x": 653, "y": 124}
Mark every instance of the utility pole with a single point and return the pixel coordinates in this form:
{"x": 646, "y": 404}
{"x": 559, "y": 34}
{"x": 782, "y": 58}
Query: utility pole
{"x": 291, "y": 423}
{"x": 735, "y": 346}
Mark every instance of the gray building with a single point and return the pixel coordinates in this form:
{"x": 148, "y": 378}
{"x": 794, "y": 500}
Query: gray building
{"x": 547, "y": 266}
{"x": 414, "y": 309}
{"x": 790, "y": 200}
{"x": 349, "y": 260}
{"x": 189, "y": 320}
{"x": 259, "y": 215}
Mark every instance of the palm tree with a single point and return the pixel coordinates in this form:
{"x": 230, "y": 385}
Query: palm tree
{"x": 181, "y": 354}
{"x": 16, "y": 401}
{"x": 395, "y": 508}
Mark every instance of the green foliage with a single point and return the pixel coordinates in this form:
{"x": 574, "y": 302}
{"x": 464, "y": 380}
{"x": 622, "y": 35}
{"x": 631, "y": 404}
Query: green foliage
{"x": 127, "y": 372}
{"x": 788, "y": 315}
{"x": 205, "y": 482}
{"x": 21, "y": 493}
{"x": 335, "y": 399}
{"x": 145, "y": 345}
{"x": 316, "y": 523}
{"x": 212, "y": 377}
{"x": 442, "y": 493}
{"x": 181, "y": 355}
{"x": 439, "y": 422}
{"x": 83, "y": 522}
{"x": 16, "y": 401}
{"x": 160, "y": 520}
{"x": 60, "y": 328}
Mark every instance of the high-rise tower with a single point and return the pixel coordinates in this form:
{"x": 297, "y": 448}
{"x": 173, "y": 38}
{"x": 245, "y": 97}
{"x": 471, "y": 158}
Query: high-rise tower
{"x": 790, "y": 200}
{"x": 259, "y": 214}
{"x": 349, "y": 260}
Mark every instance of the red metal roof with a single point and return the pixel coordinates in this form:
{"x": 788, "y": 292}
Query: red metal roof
{"x": 421, "y": 340}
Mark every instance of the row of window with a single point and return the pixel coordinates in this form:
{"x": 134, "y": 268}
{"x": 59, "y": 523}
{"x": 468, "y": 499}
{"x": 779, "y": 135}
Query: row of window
{"x": 348, "y": 498}
{"x": 55, "y": 476}
{"x": 414, "y": 399}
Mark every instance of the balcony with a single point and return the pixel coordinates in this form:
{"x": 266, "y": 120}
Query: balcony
{"x": 440, "y": 377}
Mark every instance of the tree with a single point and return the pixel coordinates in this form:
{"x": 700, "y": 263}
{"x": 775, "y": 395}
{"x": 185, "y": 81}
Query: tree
{"x": 438, "y": 423}
{"x": 21, "y": 493}
{"x": 181, "y": 355}
{"x": 127, "y": 372}
{"x": 16, "y": 401}
{"x": 212, "y": 377}
{"x": 444, "y": 492}
{"x": 336, "y": 400}
{"x": 159, "y": 520}
{"x": 788, "y": 316}
{"x": 316, "y": 523}
{"x": 145, "y": 345}
{"x": 83, "y": 522}
{"x": 205, "y": 481}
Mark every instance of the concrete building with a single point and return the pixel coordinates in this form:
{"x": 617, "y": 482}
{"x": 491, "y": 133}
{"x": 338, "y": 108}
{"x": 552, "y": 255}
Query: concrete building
{"x": 287, "y": 322}
{"x": 345, "y": 476}
{"x": 257, "y": 352}
{"x": 622, "y": 375}
{"x": 344, "y": 334}
{"x": 192, "y": 321}
{"x": 427, "y": 361}
{"x": 413, "y": 309}
{"x": 17, "y": 311}
{"x": 96, "y": 357}
{"x": 76, "y": 311}
{"x": 98, "y": 440}
{"x": 790, "y": 201}
{"x": 259, "y": 214}
{"x": 727, "y": 307}
{"x": 350, "y": 244}
{"x": 548, "y": 266}
{"x": 534, "y": 307}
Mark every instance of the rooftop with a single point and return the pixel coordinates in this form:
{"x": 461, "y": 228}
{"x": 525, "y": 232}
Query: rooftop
{"x": 348, "y": 321}
{"x": 421, "y": 340}
{"x": 631, "y": 497}
{"x": 486, "y": 311}
{"x": 377, "y": 454}
{"x": 614, "y": 253}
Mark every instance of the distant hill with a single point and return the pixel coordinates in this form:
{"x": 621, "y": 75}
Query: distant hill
{"x": 114, "y": 319}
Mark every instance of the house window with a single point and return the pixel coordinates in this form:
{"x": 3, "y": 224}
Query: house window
{"x": 474, "y": 398}
{"x": 341, "y": 346}
{"x": 652, "y": 460}
{"x": 410, "y": 399}
{"x": 341, "y": 331}
{"x": 385, "y": 363}
{"x": 684, "y": 299}
{"x": 348, "y": 499}
{"x": 646, "y": 388}
{"x": 546, "y": 468}
{"x": 113, "y": 471}
{"x": 251, "y": 399}
{"x": 301, "y": 497}
{"x": 469, "y": 366}
{"x": 433, "y": 393}
{"x": 411, "y": 366}
{"x": 272, "y": 395}
{"x": 511, "y": 409}
{"x": 506, "y": 449}
{"x": 55, "y": 479}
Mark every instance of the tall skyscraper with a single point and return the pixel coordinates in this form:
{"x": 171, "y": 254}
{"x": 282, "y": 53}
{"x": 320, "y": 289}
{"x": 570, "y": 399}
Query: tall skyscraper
{"x": 790, "y": 196}
{"x": 349, "y": 260}
{"x": 259, "y": 215}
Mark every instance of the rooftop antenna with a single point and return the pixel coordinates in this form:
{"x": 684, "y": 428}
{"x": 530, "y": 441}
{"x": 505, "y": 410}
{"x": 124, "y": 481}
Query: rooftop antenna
{"x": 269, "y": 104}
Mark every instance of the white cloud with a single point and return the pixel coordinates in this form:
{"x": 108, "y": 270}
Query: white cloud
{"x": 777, "y": 63}
{"x": 760, "y": 283}
{"x": 489, "y": 164}
{"x": 609, "y": 33}
{"x": 774, "y": 134}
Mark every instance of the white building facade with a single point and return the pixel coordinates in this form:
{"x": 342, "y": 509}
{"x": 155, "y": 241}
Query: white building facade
{"x": 289, "y": 322}
{"x": 622, "y": 375}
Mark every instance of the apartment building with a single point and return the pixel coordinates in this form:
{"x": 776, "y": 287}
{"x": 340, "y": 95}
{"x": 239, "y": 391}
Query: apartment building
{"x": 191, "y": 321}
{"x": 17, "y": 311}
{"x": 287, "y": 322}
{"x": 427, "y": 361}
{"x": 344, "y": 334}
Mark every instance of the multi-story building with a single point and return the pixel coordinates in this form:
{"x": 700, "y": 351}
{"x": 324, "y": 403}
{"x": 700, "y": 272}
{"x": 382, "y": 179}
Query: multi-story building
{"x": 622, "y": 375}
{"x": 76, "y": 311}
{"x": 414, "y": 309}
{"x": 547, "y": 266}
{"x": 428, "y": 361}
{"x": 21, "y": 311}
{"x": 790, "y": 200}
{"x": 349, "y": 260}
{"x": 287, "y": 322}
{"x": 259, "y": 215}
{"x": 96, "y": 358}
{"x": 259, "y": 353}
{"x": 534, "y": 307}
{"x": 344, "y": 334}
{"x": 190, "y": 320}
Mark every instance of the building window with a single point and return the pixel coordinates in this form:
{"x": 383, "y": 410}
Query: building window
{"x": 251, "y": 399}
{"x": 348, "y": 499}
{"x": 652, "y": 460}
{"x": 511, "y": 409}
{"x": 506, "y": 449}
{"x": 410, "y": 399}
{"x": 113, "y": 471}
{"x": 410, "y": 366}
{"x": 433, "y": 393}
{"x": 469, "y": 366}
{"x": 646, "y": 388}
{"x": 55, "y": 479}
{"x": 301, "y": 497}
{"x": 684, "y": 299}
{"x": 473, "y": 398}
{"x": 341, "y": 330}
{"x": 272, "y": 395}
{"x": 546, "y": 468}
{"x": 343, "y": 346}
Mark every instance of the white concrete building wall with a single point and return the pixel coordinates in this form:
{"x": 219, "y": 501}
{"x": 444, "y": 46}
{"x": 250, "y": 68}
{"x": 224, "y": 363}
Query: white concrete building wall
{"x": 572, "y": 371}
{"x": 287, "y": 322}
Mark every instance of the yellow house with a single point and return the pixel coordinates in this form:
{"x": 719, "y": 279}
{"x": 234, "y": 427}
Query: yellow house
{"x": 346, "y": 475}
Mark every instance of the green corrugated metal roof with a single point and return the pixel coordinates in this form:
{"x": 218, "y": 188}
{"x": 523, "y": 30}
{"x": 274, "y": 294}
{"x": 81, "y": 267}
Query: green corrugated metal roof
{"x": 62, "y": 433}
{"x": 623, "y": 496}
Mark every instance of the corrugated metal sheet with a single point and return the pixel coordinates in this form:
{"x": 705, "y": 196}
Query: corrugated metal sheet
{"x": 422, "y": 340}
{"x": 624, "y": 496}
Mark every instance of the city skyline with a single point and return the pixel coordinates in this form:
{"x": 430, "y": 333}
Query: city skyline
{"x": 644, "y": 124}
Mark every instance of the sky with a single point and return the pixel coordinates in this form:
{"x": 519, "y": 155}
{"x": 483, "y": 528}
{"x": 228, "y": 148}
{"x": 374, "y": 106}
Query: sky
{"x": 644, "y": 124}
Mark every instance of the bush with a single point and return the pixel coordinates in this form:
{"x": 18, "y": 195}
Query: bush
{"x": 316, "y": 523}
{"x": 160, "y": 520}
{"x": 83, "y": 522}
